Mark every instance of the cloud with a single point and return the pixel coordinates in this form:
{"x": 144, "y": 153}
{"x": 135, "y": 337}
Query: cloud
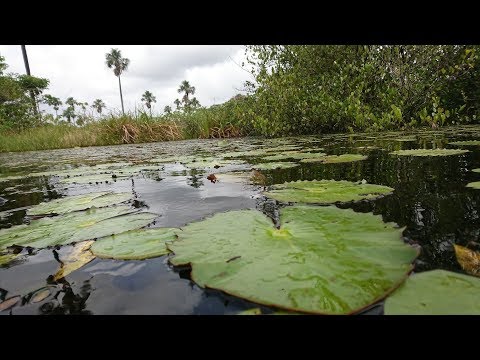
{"x": 80, "y": 71}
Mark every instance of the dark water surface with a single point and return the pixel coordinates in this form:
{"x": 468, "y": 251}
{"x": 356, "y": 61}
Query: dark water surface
{"x": 430, "y": 200}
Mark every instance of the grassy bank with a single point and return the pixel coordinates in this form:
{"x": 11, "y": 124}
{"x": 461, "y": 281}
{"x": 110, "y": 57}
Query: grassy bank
{"x": 119, "y": 130}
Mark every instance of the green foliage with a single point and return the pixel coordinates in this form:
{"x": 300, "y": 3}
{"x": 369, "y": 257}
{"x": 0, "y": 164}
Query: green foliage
{"x": 303, "y": 89}
{"x": 326, "y": 191}
{"x": 436, "y": 292}
{"x": 321, "y": 259}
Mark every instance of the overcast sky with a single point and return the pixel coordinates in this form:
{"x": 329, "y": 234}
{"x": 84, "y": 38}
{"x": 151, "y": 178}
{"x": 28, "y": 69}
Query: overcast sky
{"x": 80, "y": 71}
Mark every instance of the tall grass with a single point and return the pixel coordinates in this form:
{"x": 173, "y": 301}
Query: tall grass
{"x": 114, "y": 130}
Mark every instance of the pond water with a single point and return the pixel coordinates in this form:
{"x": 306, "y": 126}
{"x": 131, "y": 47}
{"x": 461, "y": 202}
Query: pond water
{"x": 430, "y": 200}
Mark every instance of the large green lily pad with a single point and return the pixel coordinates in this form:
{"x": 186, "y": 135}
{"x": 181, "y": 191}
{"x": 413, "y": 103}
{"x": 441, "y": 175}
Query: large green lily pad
{"x": 466, "y": 143}
{"x": 429, "y": 152}
{"x": 326, "y": 191}
{"x": 79, "y": 202}
{"x": 333, "y": 159}
{"x": 76, "y": 226}
{"x": 274, "y": 165}
{"x": 436, "y": 292}
{"x": 322, "y": 260}
{"x": 135, "y": 245}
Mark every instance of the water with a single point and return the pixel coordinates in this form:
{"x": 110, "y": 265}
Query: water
{"x": 430, "y": 200}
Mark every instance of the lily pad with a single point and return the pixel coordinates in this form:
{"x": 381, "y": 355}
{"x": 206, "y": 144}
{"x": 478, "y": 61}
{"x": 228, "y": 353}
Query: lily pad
{"x": 211, "y": 163}
{"x": 40, "y": 295}
{"x": 466, "y": 143}
{"x": 436, "y": 292}
{"x": 93, "y": 179}
{"x": 9, "y": 303}
{"x": 333, "y": 159}
{"x": 274, "y": 165}
{"x": 321, "y": 260}
{"x": 75, "y": 227}
{"x": 78, "y": 256}
{"x": 326, "y": 191}
{"x": 135, "y": 245}
{"x": 474, "y": 185}
{"x": 254, "y": 311}
{"x": 293, "y": 155}
{"x": 6, "y": 258}
{"x": 79, "y": 202}
{"x": 429, "y": 152}
{"x": 468, "y": 259}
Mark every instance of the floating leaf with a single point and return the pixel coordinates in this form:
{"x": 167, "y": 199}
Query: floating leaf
{"x": 326, "y": 191}
{"x": 332, "y": 159}
{"x": 135, "y": 245}
{"x": 293, "y": 155}
{"x": 474, "y": 185}
{"x": 274, "y": 165}
{"x": 254, "y": 177}
{"x": 79, "y": 202}
{"x": 9, "y": 303}
{"x": 40, "y": 295}
{"x": 93, "y": 179}
{"x": 254, "y": 311}
{"x": 468, "y": 259}
{"x": 436, "y": 292}
{"x": 6, "y": 258}
{"x": 429, "y": 152}
{"x": 78, "y": 256}
{"x": 322, "y": 259}
{"x": 236, "y": 154}
{"x": 211, "y": 163}
{"x": 74, "y": 227}
{"x": 466, "y": 143}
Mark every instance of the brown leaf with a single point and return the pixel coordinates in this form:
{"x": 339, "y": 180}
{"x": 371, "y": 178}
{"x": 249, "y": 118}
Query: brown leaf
{"x": 7, "y": 304}
{"x": 212, "y": 178}
{"x": 468, "y": 259}
{"x": 79, "y": 256}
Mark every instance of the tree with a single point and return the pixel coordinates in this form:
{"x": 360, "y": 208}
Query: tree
{"x": 53, "y": 102}
{"x": 177, "y": 103}
{"x": 3, "y": 65}
{"x": 194, "y": 103}
{"x": 167, "y": 109}
{"x": 69, "y": 113}
{"x": 27, "y": 70}
{"x": 98, "y": 105}
{"x": 148, "y": 98}
{"x": 186, "y": 88}
{"x": 114, "y": 60}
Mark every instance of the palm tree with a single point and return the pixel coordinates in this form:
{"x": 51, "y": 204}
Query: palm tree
{"x": 194, "y": 103}
{"x": 71, "y": 102}
{"x": 187, "y": 89}
{"x": 167, "y": 109}
{"x": 177, "y": 103}
{"x": 114, "y": 60}
{"x": 27, "y": 70}
{"x": 52, "y": 101}
{"x": 98, "y": 105}
{"x": 148, "y": 98}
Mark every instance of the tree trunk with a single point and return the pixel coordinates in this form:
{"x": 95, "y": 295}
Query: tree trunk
{"x": 27, "y": 69}
{"x": 121, "y": 96}
{"x": 150, "y": 111}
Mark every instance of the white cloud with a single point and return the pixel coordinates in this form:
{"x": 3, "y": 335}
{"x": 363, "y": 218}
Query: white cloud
{"x": 80, "y": 71}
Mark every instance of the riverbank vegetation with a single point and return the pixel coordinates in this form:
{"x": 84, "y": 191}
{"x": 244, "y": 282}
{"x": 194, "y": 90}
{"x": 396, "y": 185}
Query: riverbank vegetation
{"x": 292, "y": 90}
